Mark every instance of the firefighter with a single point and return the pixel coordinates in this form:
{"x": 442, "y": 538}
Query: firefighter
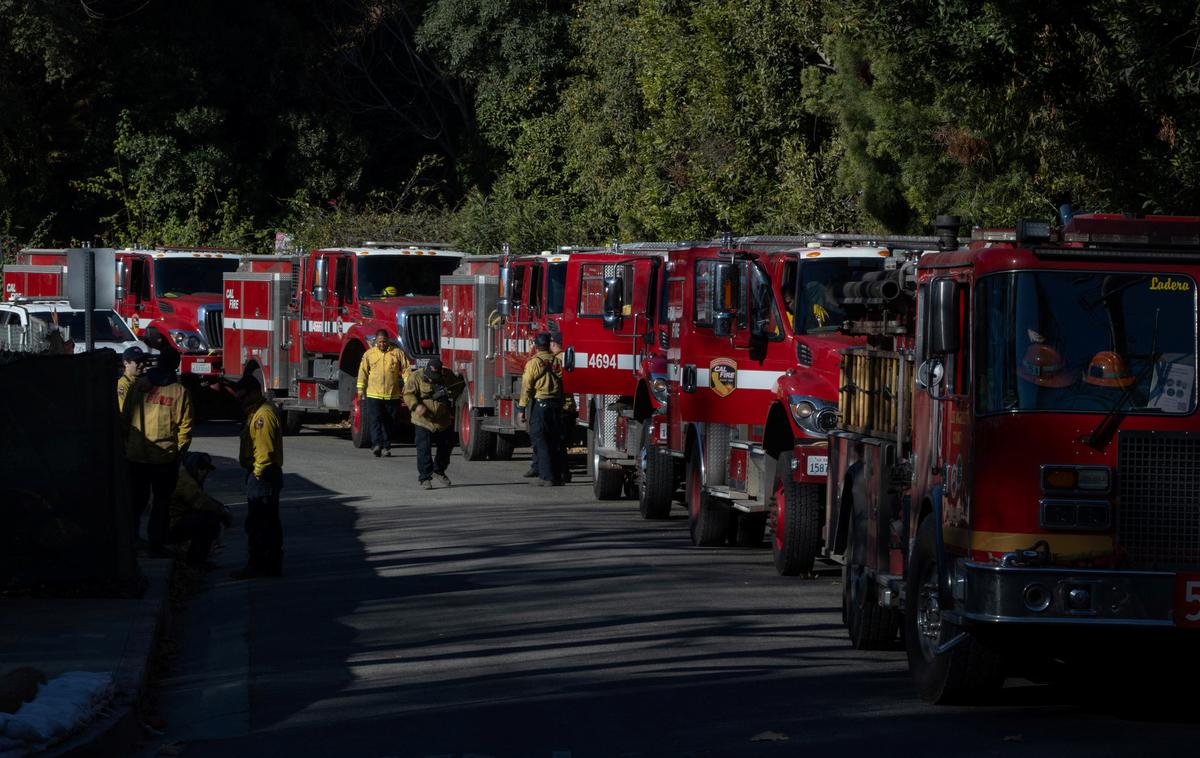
{"x": 542, "y": 394}
{"x": 196, "y": 518}
{"x": 134, "y": 359}
{"x": 569, "y": 413}
{"x": 381, "y": 376}
{"x": 430, "y": 394}
{"x": 261, "y": 455}
{"x": 157, "y": 416}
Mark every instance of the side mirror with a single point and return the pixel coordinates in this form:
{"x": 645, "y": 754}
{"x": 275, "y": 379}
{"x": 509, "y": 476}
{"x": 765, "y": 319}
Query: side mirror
{"x": 943, "y": 317}
{"x": 614, "y": 301}
{"x": 929, "y": 374}
{"x": 119, "y": 291}
{"x": 320, "y": 274}
{"x": 722, "y": 323}
{"x": 569, "y": 359}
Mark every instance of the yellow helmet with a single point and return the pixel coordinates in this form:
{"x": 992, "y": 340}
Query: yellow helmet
{"x": 390, "y": 291}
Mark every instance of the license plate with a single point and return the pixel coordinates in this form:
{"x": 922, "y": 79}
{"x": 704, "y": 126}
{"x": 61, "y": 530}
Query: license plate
{"x": 1187, "y": 600}
{"x": 201, "y": 367}
{"x": 818, "y": 465}
{"x": 420, "y": 362}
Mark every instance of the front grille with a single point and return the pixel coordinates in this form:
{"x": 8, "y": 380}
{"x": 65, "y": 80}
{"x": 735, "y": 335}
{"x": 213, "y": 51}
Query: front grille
{"x": 421, "y": 333}
{"x": 1158, "y": 521}
{"x": 214, "y": 327}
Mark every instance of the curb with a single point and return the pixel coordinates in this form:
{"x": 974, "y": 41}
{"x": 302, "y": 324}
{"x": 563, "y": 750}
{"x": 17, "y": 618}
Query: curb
{"x": 118, "y": 732}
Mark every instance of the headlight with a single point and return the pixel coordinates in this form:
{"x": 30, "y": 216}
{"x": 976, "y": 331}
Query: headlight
{"x": 186, "y": 341}
{"x": 816, "y": 417}
{"x": 659, "y": 388}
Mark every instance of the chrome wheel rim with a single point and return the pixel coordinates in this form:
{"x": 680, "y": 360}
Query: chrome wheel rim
{"x": 929, "y": 615}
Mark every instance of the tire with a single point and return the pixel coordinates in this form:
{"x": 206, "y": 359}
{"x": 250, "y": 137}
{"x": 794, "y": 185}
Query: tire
{"x": 503, "y": 446}
{"x": 749, "y": 529}
{"x": 869, "y": 626}
{"x": 795, "y": 518}
{"x": 708, "y": 521}
{"x": 475, "y": 443}
{"x": 359, "y": 435}
{"x": 607, "y": 483}
{"x": 656, "y": 475}
{"x": 292, "y": 422}
{"x": 963, "y": 674}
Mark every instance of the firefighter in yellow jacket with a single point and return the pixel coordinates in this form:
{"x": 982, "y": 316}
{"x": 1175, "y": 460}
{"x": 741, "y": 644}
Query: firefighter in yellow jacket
{"x": 157, "y": 416}
{"x": 262, "y": 456}
{"x": 429, "y": 394}
{"x": 542, "y": 395}
{"x": 134, "y": 360}
{"x": 381, "y": 377}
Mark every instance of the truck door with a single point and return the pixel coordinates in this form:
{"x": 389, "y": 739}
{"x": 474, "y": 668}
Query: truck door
{"x": 612, "y": 316}
{"x": 527, "y": 313}
{"x": 138, "y": 305}
{"x": 945, "y": 380}
{"x": 329, "y": 277}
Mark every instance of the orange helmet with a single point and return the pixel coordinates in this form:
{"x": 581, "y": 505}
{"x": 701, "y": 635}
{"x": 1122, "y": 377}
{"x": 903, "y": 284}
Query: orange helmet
{"x": 1108, "y": 369}
{"x": 1043, "y": 366}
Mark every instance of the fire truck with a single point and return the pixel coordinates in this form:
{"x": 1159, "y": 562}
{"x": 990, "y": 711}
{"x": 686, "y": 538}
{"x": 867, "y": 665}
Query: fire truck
{"x": 171, "y": 298}
{"x": 494, "y": 305}
{"x": 1017, "y": 452}
{"x": 751, "y": 349}
{"x": 302, "y": 323}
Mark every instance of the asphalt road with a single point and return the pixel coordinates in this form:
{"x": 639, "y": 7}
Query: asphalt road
{"x": 497, "y": 619}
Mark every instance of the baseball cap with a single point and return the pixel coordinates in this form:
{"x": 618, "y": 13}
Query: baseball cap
{"x": 134, "y": 353}
{"x": 542, "y": 339}
{"x": 435, "y": 363}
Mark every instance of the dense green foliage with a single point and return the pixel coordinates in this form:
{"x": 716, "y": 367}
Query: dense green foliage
{"x": 553, "y": 122}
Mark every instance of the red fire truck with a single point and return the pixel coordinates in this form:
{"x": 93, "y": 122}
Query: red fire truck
{"x": 494, "y": 305}
{"x": 171, "y": 298}
{"x": 302, "y": 323}
{"x": 752, "y": 364}
{"x": 1018, "y": 446}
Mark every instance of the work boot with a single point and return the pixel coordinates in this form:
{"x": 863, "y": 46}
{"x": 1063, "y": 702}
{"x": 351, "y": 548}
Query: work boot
{"x": 387, "y": 452}
{"x": 378, "y": 451}
{"x": 445, "y": 480}
{"x": 426, "y": 484}
{"x": 531, "y": 473}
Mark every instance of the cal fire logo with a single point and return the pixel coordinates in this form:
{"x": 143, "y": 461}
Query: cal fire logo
{"x": 722, "y": 374}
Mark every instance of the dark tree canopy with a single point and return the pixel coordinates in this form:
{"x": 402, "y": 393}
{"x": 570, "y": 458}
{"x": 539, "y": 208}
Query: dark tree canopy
{"x": 552, "y": 122}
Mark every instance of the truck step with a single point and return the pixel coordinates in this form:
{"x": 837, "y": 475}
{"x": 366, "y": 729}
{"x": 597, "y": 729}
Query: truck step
{"x": 891, "y": 591}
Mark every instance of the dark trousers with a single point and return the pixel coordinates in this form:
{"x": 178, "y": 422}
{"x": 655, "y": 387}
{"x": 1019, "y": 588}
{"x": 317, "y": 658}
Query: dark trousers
{"x": 199, "y": 529}
{"x": 425, "y": 440}
{"x": 157, "y": 479}
{"x": 545, "y": 429}
{"x": 566, "y": 432}
{"x": 263, "y": 528}
{"x": 383, "y": 421}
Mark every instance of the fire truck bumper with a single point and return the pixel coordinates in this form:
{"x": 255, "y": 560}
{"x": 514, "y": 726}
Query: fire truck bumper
{"x": 992, "y": 594}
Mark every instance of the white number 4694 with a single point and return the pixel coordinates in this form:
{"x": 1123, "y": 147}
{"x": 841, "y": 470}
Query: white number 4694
{"x": 601, "y": 360}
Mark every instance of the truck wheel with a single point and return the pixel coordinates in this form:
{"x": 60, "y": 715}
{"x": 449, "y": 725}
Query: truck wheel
{"x": 748, "y": 529}
{"x": 795, "y": 518}
{"x": 292, "y": 421}
{"x": 359, "y": 435}
{"x": 503, "y": 446}
{"x": 708, "y": 520}
{"x": 607, "y": 483}
{"x": 963, "y": 673}
{"x": 869, "y": 626}
{"x": 657, "y": 479}
{"x": 475, "y": 442}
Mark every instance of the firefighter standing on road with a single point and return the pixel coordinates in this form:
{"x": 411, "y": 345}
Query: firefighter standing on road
{"x": 430, "y": 394}
{"x": 381, "y": 376}
{"x": 157, "y": 416}
{"x": 569, "y": 415}
{"x": 134, "y": 359}
{"x": 542, "y": 394}
{"x": 261, "y": 455}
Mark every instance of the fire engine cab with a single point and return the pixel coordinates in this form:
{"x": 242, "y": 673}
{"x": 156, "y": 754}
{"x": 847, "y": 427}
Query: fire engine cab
{"x": 1017, "y": 448}
{"x": 302, "y": 323}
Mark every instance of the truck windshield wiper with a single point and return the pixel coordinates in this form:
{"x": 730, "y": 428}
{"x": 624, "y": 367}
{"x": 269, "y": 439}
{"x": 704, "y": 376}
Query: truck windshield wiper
{"x": 1100, "y": 436}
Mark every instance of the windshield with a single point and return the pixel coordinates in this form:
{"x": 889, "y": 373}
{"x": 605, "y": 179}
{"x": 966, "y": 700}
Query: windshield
{"x": 402, "y": 275}
{"x": 556, "y": 287}
{"x": 818, "y": 292}
{"x": 106, "y": 325}
{"x": 1079, "y": 341}
{"x": 190, "y": 276}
